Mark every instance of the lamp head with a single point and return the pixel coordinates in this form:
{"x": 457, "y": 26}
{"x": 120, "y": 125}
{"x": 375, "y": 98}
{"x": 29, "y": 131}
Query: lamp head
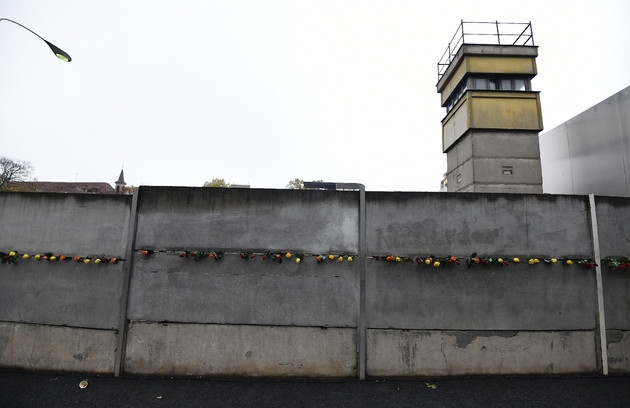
{"x": 59, "y": 53}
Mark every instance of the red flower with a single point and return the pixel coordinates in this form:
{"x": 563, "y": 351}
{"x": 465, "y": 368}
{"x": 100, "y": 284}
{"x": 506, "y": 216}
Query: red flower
{"x": 182, "y": 255}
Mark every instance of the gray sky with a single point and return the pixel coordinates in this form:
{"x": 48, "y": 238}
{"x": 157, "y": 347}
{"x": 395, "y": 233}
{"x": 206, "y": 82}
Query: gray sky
{"x": 261, "y": 92}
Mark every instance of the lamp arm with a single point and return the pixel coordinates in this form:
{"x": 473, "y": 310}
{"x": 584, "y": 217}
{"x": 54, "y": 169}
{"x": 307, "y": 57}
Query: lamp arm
{"x": 59, "y": 53}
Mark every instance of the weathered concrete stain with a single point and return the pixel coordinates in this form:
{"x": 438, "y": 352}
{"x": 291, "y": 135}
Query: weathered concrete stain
{"x": 464, "y": 338}
{"x": 422, "y": 353}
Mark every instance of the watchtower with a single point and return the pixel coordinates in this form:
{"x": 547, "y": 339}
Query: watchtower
{"x": 490, "y": 131}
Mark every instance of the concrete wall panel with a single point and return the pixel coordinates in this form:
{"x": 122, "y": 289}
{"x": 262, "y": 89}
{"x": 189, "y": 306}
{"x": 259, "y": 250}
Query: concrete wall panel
{"x": 196, "y": 218}
{"x": 78, "y": 224}
{"x": 613, "y": 218}
{"x": 252, "y": 351}
{"x": 516, "y": 297}
{"x": 616, "y": 288}
{"x": 492, "y": 224}
{"x": 442, "y": 353}
{"x": 64, "y": 293}
{"x": 237, "y": 291}
{"x": 618, "y": 351}
{"x": 40, "y": 347}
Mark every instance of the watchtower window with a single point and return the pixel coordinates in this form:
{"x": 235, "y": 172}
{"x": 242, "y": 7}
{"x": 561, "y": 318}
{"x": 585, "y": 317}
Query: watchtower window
{"x": 500, "y": 83}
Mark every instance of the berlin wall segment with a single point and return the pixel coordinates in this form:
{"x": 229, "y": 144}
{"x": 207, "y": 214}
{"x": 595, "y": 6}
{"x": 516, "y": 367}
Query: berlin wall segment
{"x": 300, "y": 319}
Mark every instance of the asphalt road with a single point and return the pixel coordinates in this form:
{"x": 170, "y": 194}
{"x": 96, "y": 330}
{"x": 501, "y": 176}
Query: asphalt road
{"x": 33, "y": 390}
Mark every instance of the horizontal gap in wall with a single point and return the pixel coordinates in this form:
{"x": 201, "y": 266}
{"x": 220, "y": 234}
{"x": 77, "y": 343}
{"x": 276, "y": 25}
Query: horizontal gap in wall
{"x": 484, "y": 330}
{"x": 59, "y": 325}
{"x": 245, "y": 274}
{"x": 166, "y": 323}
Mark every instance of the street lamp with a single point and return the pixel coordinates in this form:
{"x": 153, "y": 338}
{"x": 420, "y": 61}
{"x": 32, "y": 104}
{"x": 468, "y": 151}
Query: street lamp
{"x": 59, "y": 53}
{"x": 361, "y": 329}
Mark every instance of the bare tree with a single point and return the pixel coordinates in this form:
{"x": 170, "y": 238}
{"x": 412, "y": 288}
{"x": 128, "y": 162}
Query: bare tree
{"x": 12, "y": 171}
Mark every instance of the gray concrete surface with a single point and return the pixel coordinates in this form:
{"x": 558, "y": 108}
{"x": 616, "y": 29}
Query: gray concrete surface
{"x": 77, "y": 224}
{"x": 166, "y": 287}
{"x": 41, "y": 347}
{"x": 60, "y": 293}
{"x": 443, "y": 353}
{"x": 244, "y": 351}
{"x": 491, "y": 297}
{"x": 198, "y": 218}
{"x": 442, "y": 224}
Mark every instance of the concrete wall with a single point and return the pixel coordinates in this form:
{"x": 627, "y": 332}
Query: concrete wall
{"x": 61, "y": 315}
{"x": 614, "y": 241}
{"x": 238, "y": 317}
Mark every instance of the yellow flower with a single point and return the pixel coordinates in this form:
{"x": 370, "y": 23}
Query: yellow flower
{"x": 427, "y": 261}
{"x": 37, "y": 257}
{"x": 554, "y": 260}
{"x": 536, "y": 260}
{"x": 398, "y": 259}
{"x": 86, "y": 261}
{"x": 349, "y": 259}
{"x": 52, "y": 258}
{"x": 25, "y": 256}
{"x": 12, "y": 253}
{"x": 569, "y": 262}
{"x": 340, "y": 259}
{"x": 531, "y": 261}
{"x": 436, "y": 264}
{"x": 516, "y": 260}
{"x": 297, "y": 260}
{"x": 98, "y": 260}
{"x": 288, "y": 255}
{"x": 500, "y": 260}
{"x": 331, "y": 257}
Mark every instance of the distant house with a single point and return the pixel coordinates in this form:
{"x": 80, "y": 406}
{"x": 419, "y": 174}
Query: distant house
{"x": 71, "y": 187}
{"x": 63, "y": 187}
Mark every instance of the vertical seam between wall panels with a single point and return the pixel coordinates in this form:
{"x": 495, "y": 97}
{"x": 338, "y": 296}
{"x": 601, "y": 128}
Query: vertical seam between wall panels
{"x": 122, "y": 319}
{"x": 601, "y": 318}
{"x": 362, "y": 282}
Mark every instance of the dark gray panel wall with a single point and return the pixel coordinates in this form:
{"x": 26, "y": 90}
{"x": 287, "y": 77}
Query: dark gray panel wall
{"x": 613, "y": 219}
{"x": 62, "y": 293}
{"x": 248, "y": 219}
{"x": 491, "y": 297}
{"x": 77, "y": 224}
{"x": 166, "y": 287}
{"x": 493, "y": 224}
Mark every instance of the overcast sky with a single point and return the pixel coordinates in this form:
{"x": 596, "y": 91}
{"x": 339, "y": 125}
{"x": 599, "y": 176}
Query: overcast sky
{"x": 261, "y": 92}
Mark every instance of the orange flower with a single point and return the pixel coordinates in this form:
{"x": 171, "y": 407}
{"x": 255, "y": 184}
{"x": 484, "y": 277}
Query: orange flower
{"x": 77, "y": 258}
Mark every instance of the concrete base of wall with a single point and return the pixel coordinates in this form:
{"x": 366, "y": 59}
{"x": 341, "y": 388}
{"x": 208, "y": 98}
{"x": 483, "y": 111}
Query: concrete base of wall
{"x": 56, "y": 348}
{"x": 618, "y": 351}
{"x": 444, "y": 353}
{"x": 240, "y": 350}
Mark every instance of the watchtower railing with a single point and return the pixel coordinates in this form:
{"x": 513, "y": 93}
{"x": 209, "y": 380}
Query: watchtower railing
{"x": 486, "y": 33}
